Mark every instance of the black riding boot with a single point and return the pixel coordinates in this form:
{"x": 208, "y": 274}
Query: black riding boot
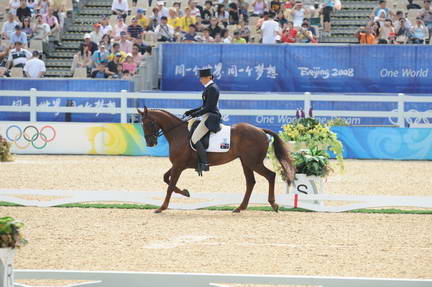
{"x": 202, "y": 158}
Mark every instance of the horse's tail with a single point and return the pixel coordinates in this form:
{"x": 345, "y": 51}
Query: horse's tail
{"x": 282, "y": 154}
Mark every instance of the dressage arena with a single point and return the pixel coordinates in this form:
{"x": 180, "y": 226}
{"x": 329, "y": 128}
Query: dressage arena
{"x": 200, "y": 241}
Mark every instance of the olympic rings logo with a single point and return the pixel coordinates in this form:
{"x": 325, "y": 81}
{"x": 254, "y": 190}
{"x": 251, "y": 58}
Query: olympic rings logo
{"x": 31, "y": 135}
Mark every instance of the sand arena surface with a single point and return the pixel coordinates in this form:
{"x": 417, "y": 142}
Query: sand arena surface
{"x": 291, "y": 243}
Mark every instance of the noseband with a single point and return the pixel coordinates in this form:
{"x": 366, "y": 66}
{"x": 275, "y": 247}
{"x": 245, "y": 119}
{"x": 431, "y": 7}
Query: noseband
{"x": 156, "y": 132}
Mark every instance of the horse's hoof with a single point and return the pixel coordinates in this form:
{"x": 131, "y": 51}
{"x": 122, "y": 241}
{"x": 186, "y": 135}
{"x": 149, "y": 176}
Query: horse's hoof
{"x": 237, "y": 210}
{"x": 275, "y": 207}
{"x": 158, "y": 211}
{"x": 186, "y": 193}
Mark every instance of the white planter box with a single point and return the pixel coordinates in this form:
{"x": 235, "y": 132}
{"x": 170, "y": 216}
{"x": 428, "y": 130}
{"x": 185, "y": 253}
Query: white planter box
{"x": 306, "y": 185}
{"x": 6, "y": 267}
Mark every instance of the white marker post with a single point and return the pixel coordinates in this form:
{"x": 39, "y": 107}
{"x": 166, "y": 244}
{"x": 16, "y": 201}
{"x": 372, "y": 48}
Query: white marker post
{"x": 6, "y": 267}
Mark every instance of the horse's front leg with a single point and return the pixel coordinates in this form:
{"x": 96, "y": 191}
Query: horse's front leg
{"x": 174, "y": 176}
{"x": 166, "y": 178}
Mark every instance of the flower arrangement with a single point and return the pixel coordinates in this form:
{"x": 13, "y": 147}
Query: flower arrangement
{"x": 5, "y": 154}
{"x": 10, "y": 233}
{"x": 309, "y": 133}
{"x": 312, "y": 162}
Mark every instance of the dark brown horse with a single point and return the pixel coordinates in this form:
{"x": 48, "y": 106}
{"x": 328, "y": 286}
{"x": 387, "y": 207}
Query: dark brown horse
{"x": 248, "y": 143}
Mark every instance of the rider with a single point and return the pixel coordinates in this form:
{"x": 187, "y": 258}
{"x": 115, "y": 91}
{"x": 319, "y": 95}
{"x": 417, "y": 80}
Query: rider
{"x": 210, "y": 116}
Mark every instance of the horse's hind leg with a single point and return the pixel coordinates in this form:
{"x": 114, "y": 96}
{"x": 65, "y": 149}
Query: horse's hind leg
{"x": 183, "y": 192}
{"x": 270, "y": 176}
{"x": 250, "y": 183}
{"x": 173, "y": 178}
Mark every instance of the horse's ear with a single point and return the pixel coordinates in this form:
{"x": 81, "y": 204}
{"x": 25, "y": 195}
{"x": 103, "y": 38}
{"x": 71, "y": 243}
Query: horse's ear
{"x": 140, "y": 112}
{"x": 144, "y": 112}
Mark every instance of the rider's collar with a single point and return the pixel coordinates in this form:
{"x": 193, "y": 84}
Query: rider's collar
{"x": 208, "y": 84}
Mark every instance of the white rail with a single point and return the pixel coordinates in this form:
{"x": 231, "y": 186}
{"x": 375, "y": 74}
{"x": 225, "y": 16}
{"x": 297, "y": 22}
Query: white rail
{"x": 159, "y": 279}
{"x": 399, "y": 115}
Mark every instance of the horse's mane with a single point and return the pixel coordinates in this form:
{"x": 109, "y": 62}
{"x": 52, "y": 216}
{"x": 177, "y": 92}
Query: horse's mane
{"x": 167, "y": 113}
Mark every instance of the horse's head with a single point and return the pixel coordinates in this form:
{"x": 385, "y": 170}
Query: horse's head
{"x": 150, "y": 127}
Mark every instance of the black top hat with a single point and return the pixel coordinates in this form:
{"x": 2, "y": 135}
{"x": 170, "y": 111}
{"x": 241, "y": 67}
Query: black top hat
{"x": 205, "y": 73}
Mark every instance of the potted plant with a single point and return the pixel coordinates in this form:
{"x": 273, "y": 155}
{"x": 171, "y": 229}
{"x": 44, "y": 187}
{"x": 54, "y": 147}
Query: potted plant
{"x": 10, "y": 239}
{"x": 5, "y": 154}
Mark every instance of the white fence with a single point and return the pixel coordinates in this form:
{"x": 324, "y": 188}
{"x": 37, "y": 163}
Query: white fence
{"x": 157, "y": 279}
{"x": 396, "y": 117}
{"x": 207, "y": 199}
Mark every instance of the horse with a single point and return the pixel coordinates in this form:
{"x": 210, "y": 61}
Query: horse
{"x": 248, "y": 143}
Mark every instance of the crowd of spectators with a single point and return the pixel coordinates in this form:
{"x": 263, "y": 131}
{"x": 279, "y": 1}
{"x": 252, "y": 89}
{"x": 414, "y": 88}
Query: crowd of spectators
{"x": 29, "y": 21}
{"x": 388, "y": 27}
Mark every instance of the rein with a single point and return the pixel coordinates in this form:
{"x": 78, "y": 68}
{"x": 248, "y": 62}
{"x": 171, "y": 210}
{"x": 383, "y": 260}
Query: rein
{"x": 160, "y": 132}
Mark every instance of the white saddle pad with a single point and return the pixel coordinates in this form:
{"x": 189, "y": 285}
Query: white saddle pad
{"x": 220, "y": 141}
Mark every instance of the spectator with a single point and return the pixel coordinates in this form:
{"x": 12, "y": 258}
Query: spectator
{"x": 412, "y": 5}
{"x": 141, "y": 19}
{"x": 260, "y": 21}
{"x": 195, "y": 11}
{"x": 218, "y": 38}
{"x": 402, "y": 31}
{"x": 244, "y": 30}
{"x": 173, "y": 20}
{"x": 305, "y": 35}
{"x": 116, "y": 50}
{"x": 41, "y": 31}
{"x": 165, "y": 33}
{"x": 4, "y": 51}
{"x": 237, "y": 39}
{"x": 233, "y": 13}
{"x": 280, "y": 18}
{"x": 187, "y": 20}
{"x": 162, "y": 10}
{"x": 206, "y": 36}
{"x": 43, "y": 6}
{"x": 35, "y": 67}
{"x": 97, "y": 34}
{"x": 270, "y": 29}
{"x": 191, "y": 36}
{"x": 82, "y": 59}
{"x": 120, "y": 8}
{"x": 289, "y": 33}
{"x": 398, "y": 18}
{"x": 392, "y": 38}
{"x": 214, "y": 27}
{"x": 125, "y": 44}
{"x": 106, "y": 41}
{"x": 382, "y": 7}
{"x": 18, "y": 56}
{"x": 365, "y": 36}
{"x": 375, "y": 30}
{"x": 134, "y": 30}
{"x": 106, "y": 28}
{"x": 208, "y": 12}
{"x": 9, "y": 26}
{"x": 154, "y": 20}
{"x": 126, "y": 75}
{"x": 129, "y": 64}
{"x": 27, "y": 29}
{"x": 310, "y": 28}
{"x": 226, "y": 36}
{"x": 13, "y": 6}
{"x": 177, "y": 6}
{"x": 426, "y": 15}
{"x": 419, "y": 32}
{"x": 381, "y": 18}
{"x": 18, "y": 36}
{"x": 119, "y": 27}
{"x": 23, "y": 11}
{"x": 136, "y": 55}
{"x": 328, "y": 6}
{"x": 385, "y": 30}
{"x": 259, "y": 6}
{"x": 100, "y": 72}
{"x": 91, "y": 46}
{"x": 100, "y": 57}
{"x": 222, "y": 15}
{"x": 113, "y": 66}
{"x": 32, "y": 5}
{"x": 298, "y": 13}
{"x": 275, "y": 6}
{"x": 51, "y": 20}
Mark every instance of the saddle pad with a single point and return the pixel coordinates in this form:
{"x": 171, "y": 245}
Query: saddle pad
{"x": 220, "y": 141}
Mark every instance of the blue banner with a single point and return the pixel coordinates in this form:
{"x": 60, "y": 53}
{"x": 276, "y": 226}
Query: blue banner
{"x": 292, "y": 68}
{"x": 67, "y": 85}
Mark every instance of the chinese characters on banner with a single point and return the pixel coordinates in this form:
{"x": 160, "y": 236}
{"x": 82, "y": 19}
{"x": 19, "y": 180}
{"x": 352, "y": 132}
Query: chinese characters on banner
{"x": 220, "y": 70}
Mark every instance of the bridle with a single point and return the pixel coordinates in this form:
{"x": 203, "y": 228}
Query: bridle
{"x": 157, "y": 131}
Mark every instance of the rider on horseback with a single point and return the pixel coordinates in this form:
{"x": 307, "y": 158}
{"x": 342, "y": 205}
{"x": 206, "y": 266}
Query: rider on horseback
{"x": 209, "y": 113}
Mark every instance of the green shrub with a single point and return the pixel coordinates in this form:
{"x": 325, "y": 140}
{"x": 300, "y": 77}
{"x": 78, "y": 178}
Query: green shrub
{"x": 10, "y": 233}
